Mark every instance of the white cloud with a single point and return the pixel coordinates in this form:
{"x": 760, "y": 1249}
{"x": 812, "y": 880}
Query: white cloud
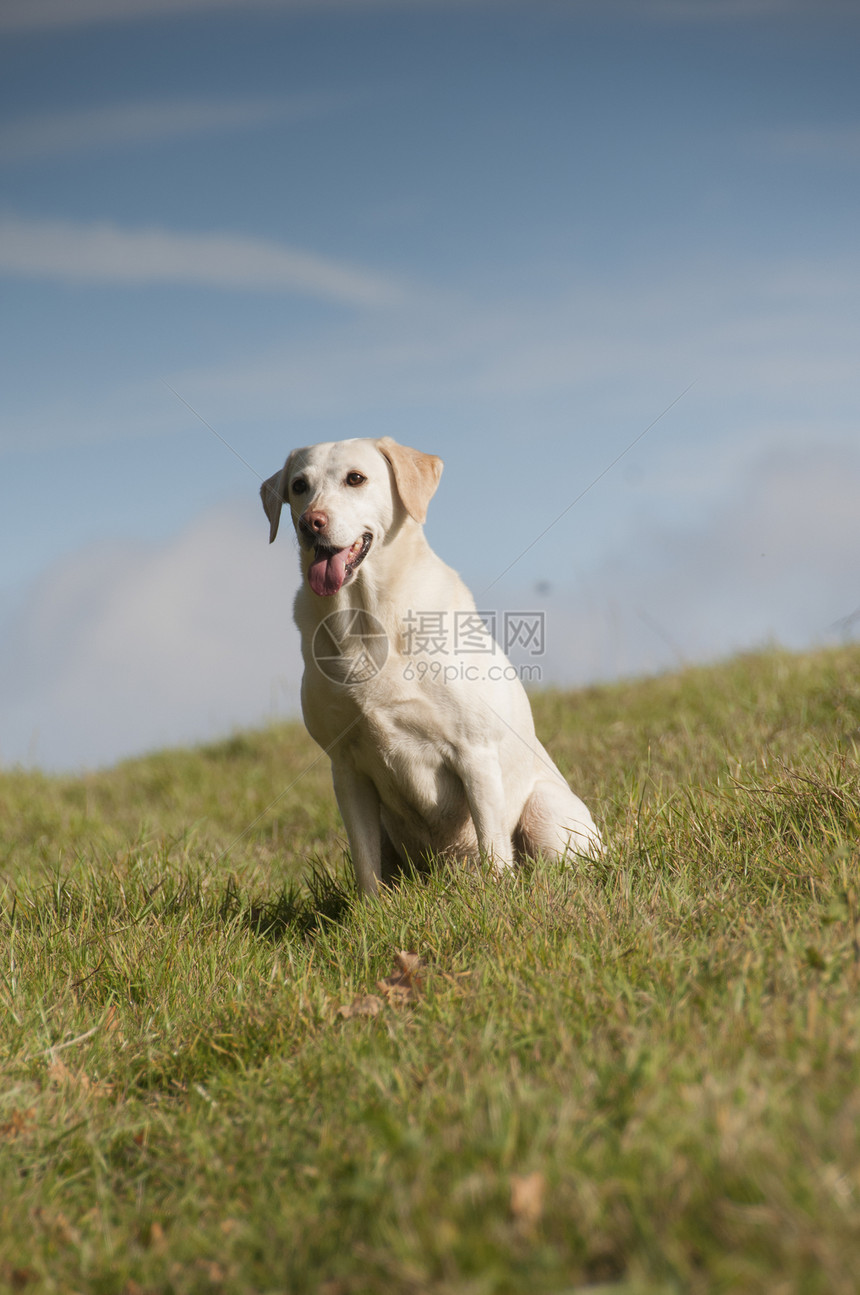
{"x": 774, "y": 561}
{"x": 121, "y": 648}
{"x": 773, "y": 333}
{"x": 126, "y": 124}
{"x": 772, "y": 349}
{"x": 106, "y": 253}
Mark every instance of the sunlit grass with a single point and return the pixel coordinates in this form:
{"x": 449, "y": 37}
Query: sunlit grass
{"x": 636, "y": 1075}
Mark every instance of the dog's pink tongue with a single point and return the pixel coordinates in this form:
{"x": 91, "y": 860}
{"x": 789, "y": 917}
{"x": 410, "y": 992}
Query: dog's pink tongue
{"x": 327, "y": 573}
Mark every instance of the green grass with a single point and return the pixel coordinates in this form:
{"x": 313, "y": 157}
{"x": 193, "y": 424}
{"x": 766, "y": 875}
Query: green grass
{"x": 634, "y": 1076}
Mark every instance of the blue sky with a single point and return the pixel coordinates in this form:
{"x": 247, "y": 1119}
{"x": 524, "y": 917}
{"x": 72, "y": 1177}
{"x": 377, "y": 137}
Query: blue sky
{"x": 514, "y": 234}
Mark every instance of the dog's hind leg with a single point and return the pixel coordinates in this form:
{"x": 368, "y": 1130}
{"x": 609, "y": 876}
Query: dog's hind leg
{"x": 555, "y": 823}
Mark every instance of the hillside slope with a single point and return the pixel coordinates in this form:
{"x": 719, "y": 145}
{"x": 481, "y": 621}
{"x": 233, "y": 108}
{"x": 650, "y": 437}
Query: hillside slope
{"x": 641, "y": 1074}
{"x": 265, "y": 797}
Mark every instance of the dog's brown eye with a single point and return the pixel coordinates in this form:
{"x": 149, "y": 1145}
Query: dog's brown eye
{"x": 355, "y": 479}
{"x": 299, "y": 486}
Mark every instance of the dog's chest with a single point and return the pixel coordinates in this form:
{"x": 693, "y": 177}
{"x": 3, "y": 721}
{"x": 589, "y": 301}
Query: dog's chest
{"x": 411, "y": 769}
{"x": 395, "y": 742}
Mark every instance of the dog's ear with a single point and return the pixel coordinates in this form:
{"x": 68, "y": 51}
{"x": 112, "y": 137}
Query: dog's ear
{"x": 416, "y": 475}
{"x": 273, "y": 493}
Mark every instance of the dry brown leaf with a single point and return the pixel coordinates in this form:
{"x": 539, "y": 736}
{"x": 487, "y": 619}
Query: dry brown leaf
{"x": 59, "y": 1073}
{"x": 157, "y": 1238}
{"x": 397, "y": 990}
{"x": 363, "y": 1005}
{"x": 62, "y": 1076}
{"x": 395, "y": 993}
{"x": 111, "y": 1024}
{"x": 409, "y": 963}
{"x": 527, "y": 1197}
{"x": 17, "y": 1122}
{"x": 404, "y": 985}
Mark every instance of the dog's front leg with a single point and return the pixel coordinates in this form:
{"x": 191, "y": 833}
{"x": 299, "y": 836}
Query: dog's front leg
{"x": 485, "y": 792}
{"x": 358, "y": 802}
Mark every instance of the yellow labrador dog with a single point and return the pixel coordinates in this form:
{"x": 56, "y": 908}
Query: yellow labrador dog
{"x": 432, "y": 747}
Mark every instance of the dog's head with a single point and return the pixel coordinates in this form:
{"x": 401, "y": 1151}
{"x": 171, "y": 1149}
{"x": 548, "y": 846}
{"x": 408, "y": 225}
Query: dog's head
{"x": 346, "y": 496}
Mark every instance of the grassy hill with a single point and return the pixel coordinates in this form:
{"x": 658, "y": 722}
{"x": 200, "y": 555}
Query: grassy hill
{"x": 637, "y": 1075}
